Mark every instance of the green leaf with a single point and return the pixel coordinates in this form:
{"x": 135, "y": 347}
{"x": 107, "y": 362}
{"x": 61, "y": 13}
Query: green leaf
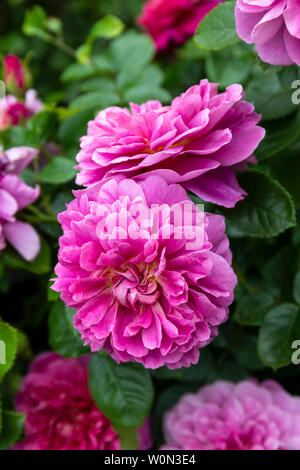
{"x": 285, "y": 167}
{"x": 224, "y": 68}
{"x": 149, "y": 75}
{"x": 279, "y": 272}
{"x": 98, "y": 84}
{"x": 59, "y": 170}
{"x": 24, "y": 350}
{"x": 42, "y": 126}
{"x": 198, "y": 373}
{"x": 8, "y": 347}
{"x": 54, "y": 25}
{"x": 73, "y": 127}
{"x": 228, "y": 370}
{"x": 63, "y": 338}
{"x": 35, "y": 23}
{"x": 108, "y": 27}
{"x": 97, "y": 99}
{"x": 279, "y": 135}
{"x": 296, "y": 288}
{"x": 245, "y": 352}
{"x": 267, "y": 210}
{"x": 79, "y": 71}
{"x": 252, "y": 308}
{"x": 141, "y": 93}
{"x": 83, "y": 53}
{"x": 280, "y": 328}
{"x": 164, "y": 373}
{"x": 132, "y": 50}
{"x": 272, "y": 93}
{"x": 267, "y": 68}
{"x": 123, "y": 392}
{"x": 52, "y": 296}
{"x": 128, "y": 437}
{"x": 217, "y": 29}
{"x": 16, "y": 136}
{"x": 40, "y": 265}
{"x": 12, "y": 425}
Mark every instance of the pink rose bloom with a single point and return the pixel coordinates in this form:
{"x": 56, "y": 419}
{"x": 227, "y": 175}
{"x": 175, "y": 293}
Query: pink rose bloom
{"x": 200, "y": 141}
{"x": 32, "y": 102}
{"x": 13, "y": 112}
{"x": 228, "y": 416}
{"x": 173, "y": 21}
{"x": 273, "y": 26}
{"x": 14, "y": 196}
{"x": 147, "y": 286}
{"x": 60, "y": 412}
{"x": 14, "y": 72}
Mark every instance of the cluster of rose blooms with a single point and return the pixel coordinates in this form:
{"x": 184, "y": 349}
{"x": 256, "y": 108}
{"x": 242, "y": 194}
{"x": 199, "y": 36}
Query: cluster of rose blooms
{"x": 153, "y": 300}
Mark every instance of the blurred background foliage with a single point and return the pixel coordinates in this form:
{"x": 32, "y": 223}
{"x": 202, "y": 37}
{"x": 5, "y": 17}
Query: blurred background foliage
{"x": 85, "y": 55}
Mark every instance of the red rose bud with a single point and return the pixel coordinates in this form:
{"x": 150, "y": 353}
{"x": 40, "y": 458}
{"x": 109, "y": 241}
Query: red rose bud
{"x": 14, "y": 73}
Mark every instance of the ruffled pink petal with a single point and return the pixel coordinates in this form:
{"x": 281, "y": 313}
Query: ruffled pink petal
{"x": 23, "y": 238}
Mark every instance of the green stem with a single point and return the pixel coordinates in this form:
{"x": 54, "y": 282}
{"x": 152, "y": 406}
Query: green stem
{"x": 39, "y": 216}
{"x": 60, "y": 44}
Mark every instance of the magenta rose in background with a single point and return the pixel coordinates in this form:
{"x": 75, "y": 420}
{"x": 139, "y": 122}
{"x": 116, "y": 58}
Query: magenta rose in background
{"x": 155, "y": 299}
{"x": 228, "y": 416}
{"x": 14, "y": 112}
{"x": 60, "y": 412}
{"x": 14, "y": 196}
{"x": 273, "y": 26}
{"x": 170, "y": 21}
{"x": 200, "y": 141}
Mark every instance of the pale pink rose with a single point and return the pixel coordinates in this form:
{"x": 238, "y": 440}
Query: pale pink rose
{"x": 14, "y": 196}
{"x": 228, "y": 416}
{"x": 273, "y": 26}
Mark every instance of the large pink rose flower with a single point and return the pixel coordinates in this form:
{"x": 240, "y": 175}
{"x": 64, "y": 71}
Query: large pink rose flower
{"x": 60, "y": 412}
{"x": 14, "y": 112}
{"x": 146, "y": 288}
{"x": 200, "y": 141}
{"x": 227, "y": 416}
{"x": 273, "y": 26}
{"x": 14, "y": 196}
{"x": 173, "y": 21}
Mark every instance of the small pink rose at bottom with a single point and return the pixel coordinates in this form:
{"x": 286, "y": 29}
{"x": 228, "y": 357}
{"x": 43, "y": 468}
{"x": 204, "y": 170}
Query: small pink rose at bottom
{"x": 60, "y": 412}
{"x": 229, "y": 416}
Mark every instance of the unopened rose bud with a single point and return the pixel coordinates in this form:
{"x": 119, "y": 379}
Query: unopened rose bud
{"x": 14, "y": 73}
